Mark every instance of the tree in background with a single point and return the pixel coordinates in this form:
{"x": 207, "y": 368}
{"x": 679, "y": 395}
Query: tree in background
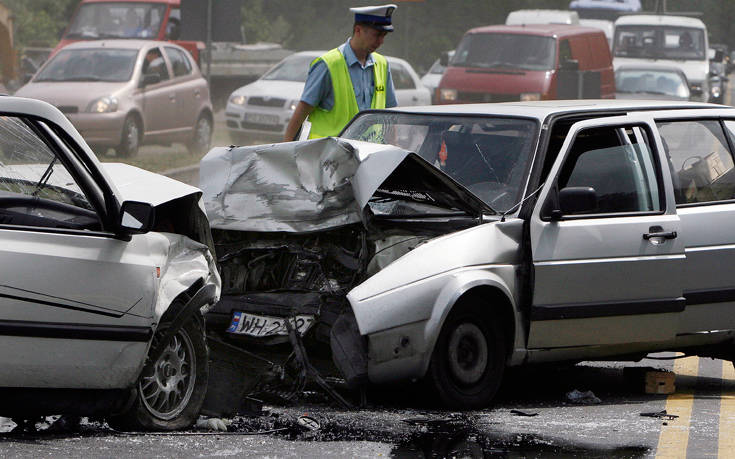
{"x": 40, "y": 22}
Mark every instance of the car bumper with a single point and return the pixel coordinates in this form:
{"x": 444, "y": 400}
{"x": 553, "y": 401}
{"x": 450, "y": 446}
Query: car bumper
{"x": 99, "y": 128}
{"x": 264, "y": 121}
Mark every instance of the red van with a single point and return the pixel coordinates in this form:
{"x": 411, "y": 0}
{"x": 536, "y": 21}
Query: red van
{"x": 528, "y": 62}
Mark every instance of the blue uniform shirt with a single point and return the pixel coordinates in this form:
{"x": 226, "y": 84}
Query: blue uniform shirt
{"x": 318, "y": 88}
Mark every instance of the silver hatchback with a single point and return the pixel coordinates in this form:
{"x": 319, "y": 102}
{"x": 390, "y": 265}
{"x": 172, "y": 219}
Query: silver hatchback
{"x": 123, "y": 93}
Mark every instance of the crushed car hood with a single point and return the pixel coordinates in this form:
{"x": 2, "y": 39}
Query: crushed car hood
{"x": 136, "y": 184}
{"x": 318, "y": 184}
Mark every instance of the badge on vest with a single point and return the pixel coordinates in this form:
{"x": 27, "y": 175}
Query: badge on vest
{"x": 380, "y": 88}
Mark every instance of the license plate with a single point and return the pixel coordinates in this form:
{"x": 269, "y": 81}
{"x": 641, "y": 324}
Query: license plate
{"x": 259, "y": 118}
{"x": 259, "y": 326}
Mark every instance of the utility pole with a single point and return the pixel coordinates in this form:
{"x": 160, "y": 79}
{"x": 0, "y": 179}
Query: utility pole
{"x": 209, "y": 43}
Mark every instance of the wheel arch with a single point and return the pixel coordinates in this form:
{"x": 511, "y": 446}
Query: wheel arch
{"x": 490, "y": 295}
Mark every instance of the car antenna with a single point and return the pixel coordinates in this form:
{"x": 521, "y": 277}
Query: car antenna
{"x": 502, "y": 216}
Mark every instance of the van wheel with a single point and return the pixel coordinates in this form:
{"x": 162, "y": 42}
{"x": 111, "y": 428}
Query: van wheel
{"x": 202, "y": 138}
{"x": 171, "y": 390}
{"x": 130, "y": 139}
{"x": 469, "y": 360}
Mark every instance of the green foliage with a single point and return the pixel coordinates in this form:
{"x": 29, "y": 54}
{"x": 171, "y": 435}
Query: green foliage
{"x": 39, "y": 22}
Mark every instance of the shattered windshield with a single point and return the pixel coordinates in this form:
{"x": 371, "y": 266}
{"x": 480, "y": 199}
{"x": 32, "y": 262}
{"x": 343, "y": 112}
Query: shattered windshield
{"x": 505, "y": 50}
{"x": 29, "y": 168}
{"x": 117, "y": 20}
{"x": 94, "y": 64}
{"x": 659, "y": 42}
{"x": 487, "y": 155}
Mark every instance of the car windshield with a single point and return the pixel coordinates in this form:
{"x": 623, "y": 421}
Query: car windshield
{"x": 90, "y": 64}
{"x": 294, "y": 68}
{"x": 659, "y": 42}
{"x": 651, "y": 81}
{"x": 487, "y": 155}
{"x": 116, "y": 20}
{"x": 500, "y": 50}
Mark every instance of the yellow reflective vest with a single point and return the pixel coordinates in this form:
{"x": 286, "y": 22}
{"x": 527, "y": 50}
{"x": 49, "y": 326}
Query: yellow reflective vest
{"x": 326, "y": 123}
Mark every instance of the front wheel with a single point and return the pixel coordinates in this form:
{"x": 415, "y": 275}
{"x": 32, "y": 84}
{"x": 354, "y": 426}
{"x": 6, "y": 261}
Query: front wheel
{"x": 202, "y": 138}
{"x": 130, "y": 139}
{"x": 171, "y": 390}
{"x": 468, "y": 362}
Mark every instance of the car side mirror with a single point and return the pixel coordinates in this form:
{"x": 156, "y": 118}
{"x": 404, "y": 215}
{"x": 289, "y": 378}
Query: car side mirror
{"x": 577, "y": 199}
{"x": 569, "y": 64}
{"x": 136, "y": 217}
{"x": 719, "y": 56}
{"x": 444, "y": 59}
{"x": 149, "y": 79}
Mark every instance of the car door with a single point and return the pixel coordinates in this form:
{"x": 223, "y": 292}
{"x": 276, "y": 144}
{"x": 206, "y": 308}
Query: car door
{"x": 75, "y": 301}
{"x": 189, "y": 89}
{"x": 607, "y": 257}
{"x": 159, "y": 98}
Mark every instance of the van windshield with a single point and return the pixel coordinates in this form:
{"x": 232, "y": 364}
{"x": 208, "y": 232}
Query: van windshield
{"x": 116, "y": 20}
{"x": 659, "y": 42}
{"x": 506, "y": 50}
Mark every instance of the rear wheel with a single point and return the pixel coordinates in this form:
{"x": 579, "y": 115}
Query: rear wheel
{"x": 202, "y": 138}
{"x": 468, "y": 362}
{"x": 130, "y": 139}
{"x": 171, "y": 390}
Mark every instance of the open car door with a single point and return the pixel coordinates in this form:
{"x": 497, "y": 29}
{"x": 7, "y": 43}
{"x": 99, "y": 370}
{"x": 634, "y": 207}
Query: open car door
{"x": 607, "y": 259}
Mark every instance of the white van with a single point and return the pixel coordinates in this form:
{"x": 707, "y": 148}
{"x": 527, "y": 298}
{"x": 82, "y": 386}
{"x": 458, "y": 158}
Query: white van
{"x": 675, "y": 41}
{"x": 521, "y": 17}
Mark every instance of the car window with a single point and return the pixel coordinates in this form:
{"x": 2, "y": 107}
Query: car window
{"x": 565, "y": 51}
{"x": 36, "y": 189}
{"x": 619, "y": 165}
{"x": 700, "y": 160}
{"x": 401, "y": 78}
{"x": 154, "y": 63}
{"x": 179, "y": 62}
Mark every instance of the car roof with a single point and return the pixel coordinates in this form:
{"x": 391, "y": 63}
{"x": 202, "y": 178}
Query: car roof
{"x": 659, "y": 19}
{"x": 543, "y": 109}
{"x": 122, "y": 43}
{"x": 546, "y": 30}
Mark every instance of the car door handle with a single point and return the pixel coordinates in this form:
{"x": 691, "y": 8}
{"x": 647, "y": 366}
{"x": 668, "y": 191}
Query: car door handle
{"x": 171, "y": 97}
{"x": 196, "y": 92}
{"x": 658, "y": 232}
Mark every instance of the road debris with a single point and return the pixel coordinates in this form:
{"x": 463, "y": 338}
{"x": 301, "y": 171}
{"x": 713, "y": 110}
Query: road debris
{"x": 523, "y": 413}
{"x": 660, "y": 415}
{"x": 583, "y": 398}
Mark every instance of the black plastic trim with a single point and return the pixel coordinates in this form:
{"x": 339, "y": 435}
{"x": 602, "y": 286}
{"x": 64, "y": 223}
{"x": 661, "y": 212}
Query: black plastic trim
{"x": 617, "y": 308}
{"x": 75, "y": 331}
{"x": 64, "y": 306}
{"x": 695, "y": 297}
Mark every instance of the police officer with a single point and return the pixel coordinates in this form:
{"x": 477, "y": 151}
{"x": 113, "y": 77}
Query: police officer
{"x": 347, "y": 79}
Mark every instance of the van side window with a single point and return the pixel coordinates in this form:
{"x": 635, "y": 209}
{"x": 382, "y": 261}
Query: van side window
{"x": 618, "y": 164}
{"x": 565, "y": 51}
{"x": 700, "y": 161}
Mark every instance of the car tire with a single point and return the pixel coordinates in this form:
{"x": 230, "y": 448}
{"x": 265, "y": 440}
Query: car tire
{"x": 170, "y": 391}
{"x": 202, "y": 138}
{"x": 130, "y": 138}
{"x": 468, "y": 361}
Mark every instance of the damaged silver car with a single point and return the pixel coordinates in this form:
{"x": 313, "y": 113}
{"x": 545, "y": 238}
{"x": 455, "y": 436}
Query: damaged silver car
{"x": 107, "y": 270}
{"x": 448, "y": 243}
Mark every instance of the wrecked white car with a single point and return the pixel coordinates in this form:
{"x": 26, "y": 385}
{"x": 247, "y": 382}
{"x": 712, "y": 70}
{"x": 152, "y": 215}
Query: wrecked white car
{"x": 448, "y": 243}
{"x": 107, "y": 271}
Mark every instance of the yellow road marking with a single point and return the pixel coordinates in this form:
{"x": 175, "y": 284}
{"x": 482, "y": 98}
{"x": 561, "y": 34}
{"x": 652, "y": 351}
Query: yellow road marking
{"x": 674, "y": 437}
{"x": 726, "y": 437}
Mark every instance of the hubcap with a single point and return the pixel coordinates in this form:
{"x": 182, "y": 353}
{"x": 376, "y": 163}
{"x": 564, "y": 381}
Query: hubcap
{"x": 468, "y": 354}
{"x": 204, "y": 131}
{"x": 132, "y": 136}
{"x": 166, "y": 387}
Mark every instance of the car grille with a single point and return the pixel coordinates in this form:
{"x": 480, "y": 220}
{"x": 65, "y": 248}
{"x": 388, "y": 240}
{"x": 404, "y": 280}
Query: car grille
{"x": 68, "y": 109}
{"x": 267, "y": 101}
{"x": 482, "y": 97}
{"x": 262, "y": 127}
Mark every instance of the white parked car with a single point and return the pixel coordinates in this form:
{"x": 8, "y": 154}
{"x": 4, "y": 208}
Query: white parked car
{"x": 447, "y": 243}
{"x": 262, "y": 109}
{"x": 106, "y": 272}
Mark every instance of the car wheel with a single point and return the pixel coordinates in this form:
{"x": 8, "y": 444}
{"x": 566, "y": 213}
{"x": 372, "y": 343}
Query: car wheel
{"x": 171, "y": 390}
{"x": 469, "y": 360}
{"x": 130, "y": 139}
{"x": 199, "y": 143}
